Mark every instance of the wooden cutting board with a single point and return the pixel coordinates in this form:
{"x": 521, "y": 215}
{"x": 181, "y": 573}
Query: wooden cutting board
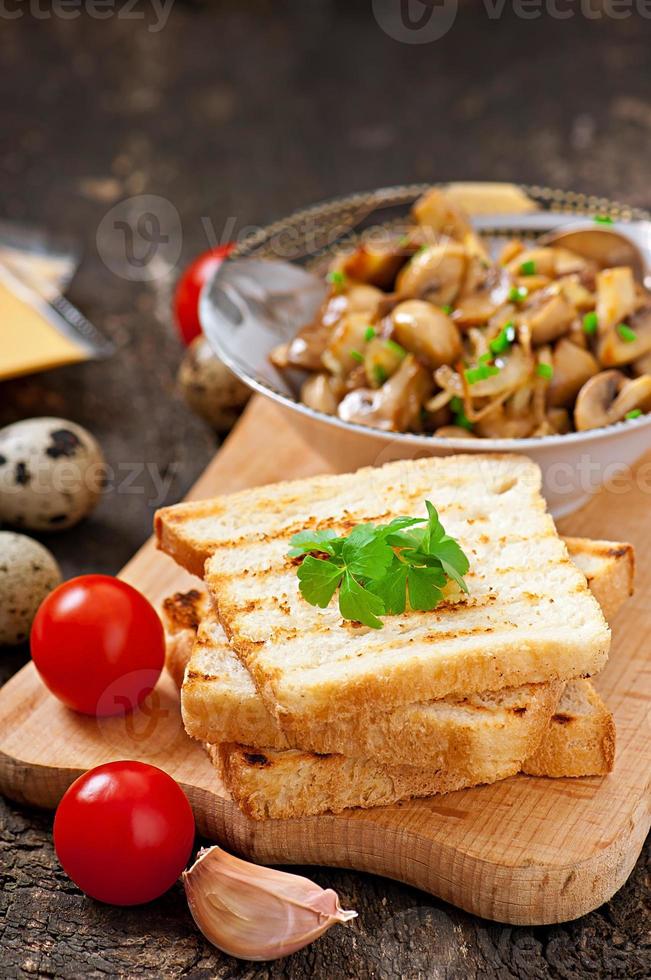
{"x": 523, "y": 851}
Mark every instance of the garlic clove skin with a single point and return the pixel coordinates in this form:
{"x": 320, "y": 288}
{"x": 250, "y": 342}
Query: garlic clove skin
{"x": 257, "y": 913}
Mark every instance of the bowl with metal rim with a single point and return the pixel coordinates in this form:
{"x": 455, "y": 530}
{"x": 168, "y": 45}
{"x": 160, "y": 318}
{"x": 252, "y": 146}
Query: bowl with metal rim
{"x": 267, "y": 290}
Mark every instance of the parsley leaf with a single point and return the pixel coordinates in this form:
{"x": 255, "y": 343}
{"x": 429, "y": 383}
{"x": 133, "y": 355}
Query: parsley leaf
{"x": 392, "y": 588}
{"x": 306, "y": 541}
{"x": 357, "y": 603}
{"x": 365, "y": 553}
{"x": 380, "y": 569}
{"x": 319, "y": 580}
{"x": 425, "y": 587}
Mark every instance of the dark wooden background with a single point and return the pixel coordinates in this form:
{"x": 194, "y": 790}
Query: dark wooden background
{"x": 247, "y": 111}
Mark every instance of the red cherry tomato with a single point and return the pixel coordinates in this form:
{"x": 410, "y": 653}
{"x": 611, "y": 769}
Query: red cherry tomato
{"x": 124, "y": 832}
{"x": 98, "y": 644}
{"x": 188, "y": 288}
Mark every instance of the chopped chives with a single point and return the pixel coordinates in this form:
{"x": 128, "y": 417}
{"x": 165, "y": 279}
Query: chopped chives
{"x": 627, "y": 335}
{"x": 504, "y": 339}
{"x": 545, "y": 371}
{"x": 448, "y": 310}
{"x": 603, "y": 219}
{"x": 517, "y": 294}
{"x": 337, "y": 278}
{"x": 480, "y": 373}
{"x": 590, "y": 323}
{"x": 528, "y": 268}
{"x": 633, "y": 414}
{"x": 356, "y": 356}
{"x": 369, "y": 333}
{"x": 396, "y": 348}
{"x": 456, "y": 404}
{"x": 379, "y": 374}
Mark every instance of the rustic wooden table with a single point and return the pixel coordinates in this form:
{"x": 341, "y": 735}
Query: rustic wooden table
{"x": 245, "y": 114}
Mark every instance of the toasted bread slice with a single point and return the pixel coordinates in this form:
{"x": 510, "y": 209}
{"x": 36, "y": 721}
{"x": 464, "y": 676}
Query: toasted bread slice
{"x": 282, "y": 784}
{"x": 220, "y": 702}
{"x": 580, "y": 740}
{"x": 609, "y": 567}
{"x": 182, "y": 615}
{"x": 530, "y": 617}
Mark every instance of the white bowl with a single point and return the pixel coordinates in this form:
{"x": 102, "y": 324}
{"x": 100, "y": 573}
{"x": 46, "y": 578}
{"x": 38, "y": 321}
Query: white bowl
{"x": 242, "y": 333}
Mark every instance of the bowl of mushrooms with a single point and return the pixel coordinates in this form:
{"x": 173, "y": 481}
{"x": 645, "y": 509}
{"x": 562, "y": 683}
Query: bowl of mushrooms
{"x": 465, "y": 318}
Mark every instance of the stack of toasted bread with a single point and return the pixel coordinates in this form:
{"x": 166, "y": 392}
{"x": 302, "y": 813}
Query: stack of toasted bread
{"x": 304, "y": 712}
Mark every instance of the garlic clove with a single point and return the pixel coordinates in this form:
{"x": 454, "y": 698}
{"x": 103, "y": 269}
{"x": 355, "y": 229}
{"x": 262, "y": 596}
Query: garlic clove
{"x": 257, "y": 913}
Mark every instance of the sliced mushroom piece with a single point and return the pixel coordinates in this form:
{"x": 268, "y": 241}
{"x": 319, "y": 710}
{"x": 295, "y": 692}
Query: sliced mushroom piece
{"x": 558, "y": 420}
{"x": 567, "y": 262}
{"x": 376, "y": 265}
{"x": 396, "y": 406}
{"x": 626, "y": 343}
{"x": 539, "y": 261}
{"x": 382, "y": 358}
{"x": 509, "y": 251}
{"x": 478, "y": 302}
{"x": 616, "y": 298}
{"x": 437, "y": 212}
{"x": 609, "y": 397}
{"x": 548, "y": 319}
{"x": 576, "y": 293}
{"x": 322, "y": 393}
{"x": 500, "y": 424}
{"x": 572, "y": 366}
{"x": 343, "y": 351}
{"x": 435, "y": 273}
{"x": 514, "y": 369}
{"x": 426, "y": 331}
{"x": 306, "y": 349}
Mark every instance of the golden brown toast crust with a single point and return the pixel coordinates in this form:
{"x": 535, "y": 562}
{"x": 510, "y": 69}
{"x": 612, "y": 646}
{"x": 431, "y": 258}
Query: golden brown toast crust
{"x": 269, "y": 784}
{"x": 529, "y": 618}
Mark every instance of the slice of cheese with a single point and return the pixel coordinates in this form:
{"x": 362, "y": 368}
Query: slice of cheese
{"x": 28, "y": 340}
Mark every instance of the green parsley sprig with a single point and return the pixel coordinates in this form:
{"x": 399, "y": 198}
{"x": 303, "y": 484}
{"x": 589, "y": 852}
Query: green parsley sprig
{"x": 380, "y": 569}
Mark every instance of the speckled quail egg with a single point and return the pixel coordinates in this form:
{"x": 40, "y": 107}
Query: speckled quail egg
{"x": 51, "y": 474}
{"x": 28, "y": 573}
{"x": 210, "y": 388}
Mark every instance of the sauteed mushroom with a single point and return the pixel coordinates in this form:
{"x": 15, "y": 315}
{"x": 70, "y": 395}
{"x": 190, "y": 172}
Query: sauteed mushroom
{"x": 522, "y": 346}
{"x": 396, "y": 405}
{"x": 427, "y": 331}
{"x": 609, "y": 397}
{"x": 615, "y": 297}
{"x": 626, "y": 342}
{"x": 572, "y": 367}
{"x": 548, "y": 318}
{"x": 381, "y": 360}
{"x": 376, "y": 265}
{"x": 342, "y": 353}
{"x": 322, "y": 393}
{"x": 435, "y": 273}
